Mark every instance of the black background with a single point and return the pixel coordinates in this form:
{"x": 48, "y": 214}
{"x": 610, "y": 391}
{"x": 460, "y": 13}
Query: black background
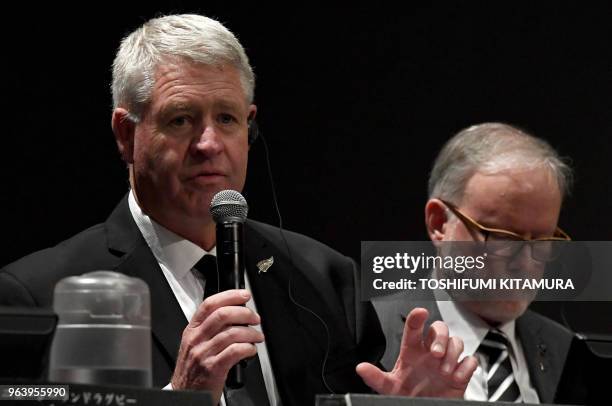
{"x": 354, "y": 102}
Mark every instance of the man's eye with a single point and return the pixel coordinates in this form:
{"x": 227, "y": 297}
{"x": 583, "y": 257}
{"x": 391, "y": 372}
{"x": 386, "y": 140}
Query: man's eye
{"x": 226, "y": 118}
{"x": 180, "y": 121}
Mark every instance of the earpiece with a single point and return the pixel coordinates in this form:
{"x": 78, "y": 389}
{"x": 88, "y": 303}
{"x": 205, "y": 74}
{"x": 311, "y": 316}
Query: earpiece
{"x": 253, "y": 131}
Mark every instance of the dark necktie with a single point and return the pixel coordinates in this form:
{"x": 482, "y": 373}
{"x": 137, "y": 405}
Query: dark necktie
{"x": 500, "y": 379}
{"x": 254, "y": 391}
{"x": 207, "y": 268}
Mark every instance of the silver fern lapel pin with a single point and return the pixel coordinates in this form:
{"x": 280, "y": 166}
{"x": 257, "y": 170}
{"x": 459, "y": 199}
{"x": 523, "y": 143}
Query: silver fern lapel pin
{"x": 265, "y": 264}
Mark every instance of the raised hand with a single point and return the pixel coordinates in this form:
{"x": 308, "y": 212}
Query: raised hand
{"x": 427, "y": 367}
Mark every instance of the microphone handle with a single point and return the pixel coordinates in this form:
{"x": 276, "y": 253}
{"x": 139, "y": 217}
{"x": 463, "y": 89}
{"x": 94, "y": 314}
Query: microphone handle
{"x": 230, "y": 261}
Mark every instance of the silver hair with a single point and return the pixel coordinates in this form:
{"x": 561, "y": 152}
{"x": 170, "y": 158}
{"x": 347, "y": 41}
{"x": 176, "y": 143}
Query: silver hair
{"x": 491, "y": 148}
{"x": 189, "y": 37}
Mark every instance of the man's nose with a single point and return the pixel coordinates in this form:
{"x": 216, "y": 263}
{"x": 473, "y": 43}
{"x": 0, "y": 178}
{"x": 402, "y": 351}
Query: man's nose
{"x": 209, "y": 142}
{"x": 522, "y": 263}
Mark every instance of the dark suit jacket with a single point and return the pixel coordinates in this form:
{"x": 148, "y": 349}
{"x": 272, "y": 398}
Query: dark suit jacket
{"x": 545, "y": 342}
{"x": 320, "y": 278}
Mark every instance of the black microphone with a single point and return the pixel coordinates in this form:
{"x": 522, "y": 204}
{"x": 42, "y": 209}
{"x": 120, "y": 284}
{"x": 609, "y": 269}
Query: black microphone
{"x": 229, "y": 210}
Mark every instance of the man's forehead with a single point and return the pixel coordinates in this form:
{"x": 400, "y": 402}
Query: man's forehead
{"x": 186, "y": 104}
{"x": 186, "y": 73}
{"x": 512, "y": 184}
{"x": 526, "y": 198}
{"x": 181, "y": 86}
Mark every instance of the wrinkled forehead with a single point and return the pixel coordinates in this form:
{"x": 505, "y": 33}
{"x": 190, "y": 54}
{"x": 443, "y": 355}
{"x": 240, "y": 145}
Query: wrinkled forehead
{"x": 186, "y": 65}
{"x": 188, "y": 83}
{"x": 180, "y": 67}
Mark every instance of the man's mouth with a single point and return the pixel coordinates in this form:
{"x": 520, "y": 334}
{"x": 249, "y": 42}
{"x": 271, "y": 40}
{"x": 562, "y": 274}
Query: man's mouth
{"x": 206, "y": 177}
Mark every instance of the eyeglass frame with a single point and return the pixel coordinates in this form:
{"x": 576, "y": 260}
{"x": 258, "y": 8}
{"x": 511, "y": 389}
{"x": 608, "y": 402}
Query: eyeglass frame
{"x": 559, "y": 234}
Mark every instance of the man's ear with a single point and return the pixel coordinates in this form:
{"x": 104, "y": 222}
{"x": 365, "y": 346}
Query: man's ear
{"x": 252, "y": 112}
{"x": 436, "y": 219}
{"x": 124, "y": 130}
{"x": 251, "y": 116}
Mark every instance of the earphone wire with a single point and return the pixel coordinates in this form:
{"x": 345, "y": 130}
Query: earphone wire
{"x": 289, "y": 288}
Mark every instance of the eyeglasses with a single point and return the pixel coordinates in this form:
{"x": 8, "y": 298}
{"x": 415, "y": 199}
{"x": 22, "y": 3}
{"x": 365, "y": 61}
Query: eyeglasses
{"x": 507, "y": 244}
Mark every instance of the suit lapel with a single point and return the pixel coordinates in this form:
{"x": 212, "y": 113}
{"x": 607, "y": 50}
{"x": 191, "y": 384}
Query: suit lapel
{"x": 537, "y": 358}
{"x": 400, "y": 304}
{"x": 279, "y": 323}
{"x": 295, "y": 338}
{"x": 402, "y": 313}
{"x": 167, "y": 318}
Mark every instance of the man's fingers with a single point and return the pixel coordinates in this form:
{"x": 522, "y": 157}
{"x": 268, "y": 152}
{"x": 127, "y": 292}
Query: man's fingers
{"x": 412, "y": 339}
{"x": 234, "y": 334}
{"x": 464, "y": 371}
{"x": 223, "y": 317}
{"x": 453, "y": 351}
{"x": 234, "y": 354}
{"x": 437, "y": 339}
{"x": 374, "y": 377}
{"x": 232, "y": 297}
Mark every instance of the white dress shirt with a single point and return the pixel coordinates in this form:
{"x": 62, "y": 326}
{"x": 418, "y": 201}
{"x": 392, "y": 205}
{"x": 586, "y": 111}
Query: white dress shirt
{"x": 472, "y": 330}
{"x": 176, "y": 257}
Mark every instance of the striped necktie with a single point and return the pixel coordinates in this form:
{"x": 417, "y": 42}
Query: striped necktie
{"x": 501, "y": 384}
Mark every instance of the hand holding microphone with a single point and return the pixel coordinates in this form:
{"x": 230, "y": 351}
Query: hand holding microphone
{"x": 229, "y": 209}
{"x": 219, "y": 335}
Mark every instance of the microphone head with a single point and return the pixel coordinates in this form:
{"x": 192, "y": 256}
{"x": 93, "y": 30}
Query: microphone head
{"x": 229, "y": 205}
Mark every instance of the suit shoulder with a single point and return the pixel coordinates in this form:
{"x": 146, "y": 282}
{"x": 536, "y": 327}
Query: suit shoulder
{"x": 393, "y": 303}
{"x": 78, "y": 244}
{"x": 38, "y": 272}
{"x": 305, "y": 244}
{"x": 548, "y": 326}
{"x": 307, "y": 254}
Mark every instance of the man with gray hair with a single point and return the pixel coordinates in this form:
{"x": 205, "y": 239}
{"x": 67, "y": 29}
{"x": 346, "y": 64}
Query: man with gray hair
{"x": 501, "y": 187}
{"x": 183, "y": 122}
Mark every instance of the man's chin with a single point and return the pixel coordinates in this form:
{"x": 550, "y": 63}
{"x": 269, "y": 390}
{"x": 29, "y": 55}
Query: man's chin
{"x": 205, "y": 193}
{"x": 201, "y": 197}
{"x": 498, "y": 312}
{"x": 196, "y": 201}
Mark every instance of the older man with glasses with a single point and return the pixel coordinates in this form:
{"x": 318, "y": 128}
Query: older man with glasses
{"x": 502, "y": 188}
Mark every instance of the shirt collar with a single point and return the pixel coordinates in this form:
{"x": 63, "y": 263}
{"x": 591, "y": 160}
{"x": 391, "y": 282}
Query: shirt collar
{"x": 462, "y": 324}
{"x": 176, "y": 253}
{"x": 471, "y": 328}
{"x": 509, "y": 329}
